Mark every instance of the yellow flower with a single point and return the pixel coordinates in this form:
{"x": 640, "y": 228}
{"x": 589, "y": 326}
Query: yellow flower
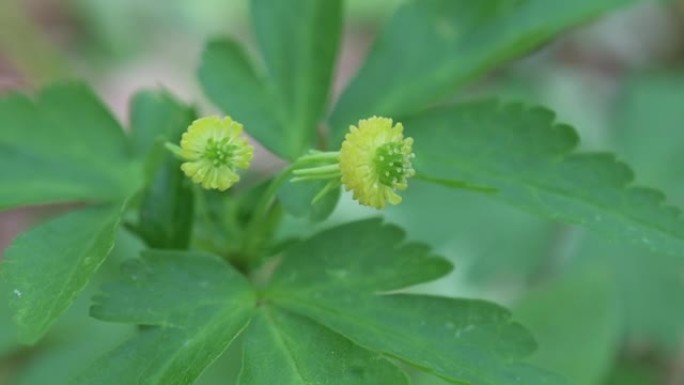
{"x": 375, "y": 161}
{"x": 213, "y": 150}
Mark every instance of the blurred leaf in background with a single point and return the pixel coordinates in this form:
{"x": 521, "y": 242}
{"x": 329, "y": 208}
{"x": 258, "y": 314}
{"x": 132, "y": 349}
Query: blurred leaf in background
{"x": 125, "y": 28}
{"x": 649, "y": 134}
{"x": 33, "y": 55}
{"x": 576, "y": 323}
{"x": 649, "y": 129}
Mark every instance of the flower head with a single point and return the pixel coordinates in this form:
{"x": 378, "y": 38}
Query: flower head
{"x": 213, "y": 149}
{"x": 375, "y": 161}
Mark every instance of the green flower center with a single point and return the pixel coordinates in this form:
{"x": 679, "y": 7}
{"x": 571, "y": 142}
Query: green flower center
{"x": 220, "y": 152}
{"x": 392, "y": 164}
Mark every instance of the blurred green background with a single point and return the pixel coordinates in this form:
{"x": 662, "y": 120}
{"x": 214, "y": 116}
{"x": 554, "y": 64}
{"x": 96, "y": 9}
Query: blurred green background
{"x": 603, "y": 313}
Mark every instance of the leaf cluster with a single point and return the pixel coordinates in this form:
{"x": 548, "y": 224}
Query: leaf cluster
{"x": 333, "y": 307}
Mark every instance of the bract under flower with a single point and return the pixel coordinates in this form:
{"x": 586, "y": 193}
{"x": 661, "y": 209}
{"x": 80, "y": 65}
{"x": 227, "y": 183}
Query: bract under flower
{"x": 375, "y": 161}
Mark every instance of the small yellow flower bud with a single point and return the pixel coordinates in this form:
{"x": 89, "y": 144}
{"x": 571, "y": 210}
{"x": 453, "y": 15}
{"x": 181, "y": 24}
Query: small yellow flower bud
{"x": 213, "y": 149}
{"x": 375, "y": 161}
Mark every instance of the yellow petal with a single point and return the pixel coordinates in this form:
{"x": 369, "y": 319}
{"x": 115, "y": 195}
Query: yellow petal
{"x": 368, "y": 161}
{"x": 214, "y": 149}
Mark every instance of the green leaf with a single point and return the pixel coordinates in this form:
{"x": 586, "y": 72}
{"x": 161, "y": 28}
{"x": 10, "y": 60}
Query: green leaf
{"x": 461, "y": 340}
{"x": 46, "y": 267}
{"x": 299, "y": 41}
{"x": 166, "y": 210}
{"x": 191, "y": 305}
{"x": 431, "y": 47}
{"x": 284, "y": 348}
{"x": 528, "y": 158}
{"x": 374, "y": 258}
{"x": 64, "y": 146}
{"x": 230, "y": 81}
{"x": 580, "y": 307}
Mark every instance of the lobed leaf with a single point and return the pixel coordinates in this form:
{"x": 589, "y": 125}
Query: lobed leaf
{"x": 283, "y": 107}
{"x": 191, "y": 305}
{"x": 451, "y": 42}
{"x": 229, "y": 79}
{"x": 299, "y": 41}
{"x": 46, "y": 267}
{"x": 284, "y": 348}
{"x": 528, "y": 158}
{"x": 64, "y": 146}
{"x": 373, "y": 258}
{"x": 338, "y": 287}
{"x": 460, "y": 340}
{"x": 319, "y": 320}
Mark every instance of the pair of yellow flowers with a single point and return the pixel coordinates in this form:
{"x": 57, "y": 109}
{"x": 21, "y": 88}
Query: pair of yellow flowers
{"x": 373, "y": 162}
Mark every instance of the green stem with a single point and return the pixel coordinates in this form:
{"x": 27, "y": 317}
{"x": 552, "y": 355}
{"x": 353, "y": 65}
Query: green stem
{"x": 271, "y": 192}
{"x": 318, "y": 157}
{"x": 334, "y": 175}
{"x": 262, "y": 211}
{"x": 333, "y": 184}
{"x": 202, "y": 208}
{"x": 294, "y": 169}
{"x": 312, "y": 165}
{"x": 321, "y": 170}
